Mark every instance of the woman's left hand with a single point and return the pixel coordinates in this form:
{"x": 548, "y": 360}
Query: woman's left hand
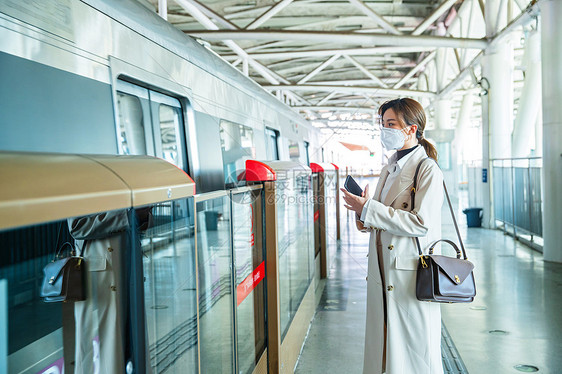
{"x": 354, "y": 202}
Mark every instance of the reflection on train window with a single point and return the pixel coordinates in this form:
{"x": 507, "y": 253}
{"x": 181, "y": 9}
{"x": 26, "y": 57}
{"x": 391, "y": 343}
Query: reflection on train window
{"x": 250, "y": 278}
{"x": 271, "y": 144}
{"x": 131, "y": 135}
{"x": 237, "y": 143}
{"x": 306, "y": 152}
{"x": 294, "y": 152}
{"x": 168, "y": 249}
{"x": 215, "y": 285}
{"x": 93, "y": 329}
{"x": 169, "y": 125}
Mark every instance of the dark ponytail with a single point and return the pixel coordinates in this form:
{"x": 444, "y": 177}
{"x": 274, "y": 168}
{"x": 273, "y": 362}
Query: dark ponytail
{"x": 410, "y": 112}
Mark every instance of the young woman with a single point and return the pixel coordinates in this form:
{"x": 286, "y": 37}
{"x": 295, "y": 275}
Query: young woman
{"x": 403, "y": 335}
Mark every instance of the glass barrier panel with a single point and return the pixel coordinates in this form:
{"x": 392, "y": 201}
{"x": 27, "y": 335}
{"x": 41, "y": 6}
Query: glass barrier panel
{"x": 295, "y": 241}
{"x": 331, "y": 218}
{"x": 84, "y": 336}
{"x": 317, "y": 245}
{"x": 521, "y": 204}
{"x": 216, "y": 295}
{"x": 536, "y": 200}
{"x": 498, "y": 193}
{"x": 249, "y": 262}
{"x": 168, "y": 249}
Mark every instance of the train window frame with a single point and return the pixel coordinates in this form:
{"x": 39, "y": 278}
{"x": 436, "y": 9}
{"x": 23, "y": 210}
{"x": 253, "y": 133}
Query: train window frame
{"x": 124, "y": 72}
{"x": 229, "y": 178}
{"x": 157, "y": 100}
{"x": 142, "y": 95}
{"x": 272, "y": 137}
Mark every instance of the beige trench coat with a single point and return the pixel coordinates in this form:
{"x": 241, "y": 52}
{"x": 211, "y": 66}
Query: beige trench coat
{"x": 413, "y": 336}
{"x": 98, "y": 320}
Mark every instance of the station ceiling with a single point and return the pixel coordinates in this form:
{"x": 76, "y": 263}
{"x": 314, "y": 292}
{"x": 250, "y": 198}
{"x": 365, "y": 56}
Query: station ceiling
{"x": 336, "y": 61}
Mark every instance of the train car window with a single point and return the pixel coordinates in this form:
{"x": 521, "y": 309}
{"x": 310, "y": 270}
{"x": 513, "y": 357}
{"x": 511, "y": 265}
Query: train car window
{"x": 294, "y": 152}
{"x": 131, "y": 132}
{"x": 168, "y": 124}
{"x": 237, "y": 143}
{"x": 306, "y": 152}
{"x": 271, "y": 143}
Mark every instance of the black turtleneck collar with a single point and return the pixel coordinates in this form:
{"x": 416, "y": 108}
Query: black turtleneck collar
{"x": 403, "y": 152}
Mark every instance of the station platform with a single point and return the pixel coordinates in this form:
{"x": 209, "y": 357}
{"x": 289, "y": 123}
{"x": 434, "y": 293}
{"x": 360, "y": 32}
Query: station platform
{"x": 513, "y": 325}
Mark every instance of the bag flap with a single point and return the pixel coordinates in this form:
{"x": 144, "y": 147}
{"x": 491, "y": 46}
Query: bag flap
{"x": 53, "y": 269}
{"x": 457, "y": 269}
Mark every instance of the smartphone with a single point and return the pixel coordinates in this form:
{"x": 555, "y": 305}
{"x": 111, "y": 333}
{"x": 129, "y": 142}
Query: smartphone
{"x": 352, "y": 186}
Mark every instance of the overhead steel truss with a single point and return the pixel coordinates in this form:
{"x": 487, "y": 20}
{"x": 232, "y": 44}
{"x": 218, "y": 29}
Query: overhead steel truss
{"x": 348, "y": 55}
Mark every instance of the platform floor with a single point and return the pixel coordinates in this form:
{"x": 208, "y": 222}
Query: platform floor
{"x": 516, "y": 318}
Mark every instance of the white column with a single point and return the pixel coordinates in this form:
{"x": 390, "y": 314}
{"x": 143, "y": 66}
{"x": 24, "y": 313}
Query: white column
{"x": 551, "y": 40}
{"x": 530, "y": 102}
{"x": 497, "y": 68}
{"x": 497, "y": 111}
{"x": 463, "y": 121}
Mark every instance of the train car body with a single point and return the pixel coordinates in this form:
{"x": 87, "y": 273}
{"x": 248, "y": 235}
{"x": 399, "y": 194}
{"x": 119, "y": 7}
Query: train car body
{"x": 111, "y": 77}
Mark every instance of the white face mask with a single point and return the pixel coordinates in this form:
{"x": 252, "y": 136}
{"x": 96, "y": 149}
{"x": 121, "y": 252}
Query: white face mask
{"x": 392, "y": 138}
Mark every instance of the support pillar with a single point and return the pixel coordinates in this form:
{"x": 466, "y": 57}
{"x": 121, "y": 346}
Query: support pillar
{"x": 551, "y": 53}
{"x": 497, "y": 112}
{"x": 463, "y": 121}
{"x": 530, "y": 101}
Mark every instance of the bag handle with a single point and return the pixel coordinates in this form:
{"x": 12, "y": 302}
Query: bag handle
{"x": 452, "y": 243}
{"x": 59, "y": 250}
{"x": 413, "y": 194}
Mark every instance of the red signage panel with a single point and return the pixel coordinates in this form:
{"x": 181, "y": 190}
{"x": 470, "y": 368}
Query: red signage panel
{"x": 247, "y": 285}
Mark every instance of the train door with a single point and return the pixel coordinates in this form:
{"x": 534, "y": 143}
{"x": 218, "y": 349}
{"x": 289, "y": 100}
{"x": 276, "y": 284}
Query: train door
{"x": 152, "y": 123}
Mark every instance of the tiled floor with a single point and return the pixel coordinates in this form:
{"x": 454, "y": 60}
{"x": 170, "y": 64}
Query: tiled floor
{"x": 519, "y": 299}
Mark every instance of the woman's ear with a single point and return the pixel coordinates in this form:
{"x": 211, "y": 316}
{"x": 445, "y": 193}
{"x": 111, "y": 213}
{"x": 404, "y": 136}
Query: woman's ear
{"x": 411, "y": 130}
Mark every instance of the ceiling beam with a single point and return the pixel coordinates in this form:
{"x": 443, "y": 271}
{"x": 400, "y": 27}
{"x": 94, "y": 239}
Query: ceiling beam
{"x": 441, "y": 9}
{"x": 337, "y": 108}
{"x": 526, "y": 16}
{"x": 366, "y": 71}
{"x": 383, "y": 92}
{"x": 319, "y": 69}
{"x": 344, "y": 38}
{"x": 375, "y": 16}
{"x": 269, "y": 75}
{"x": 326, "y": 98}
{"x": 417, "y": 68}
{"x": 209, "y": 13}
{"x": 163, "y": 9}
{"x": 268, "y": 14}
{"x": 330, "y": 52}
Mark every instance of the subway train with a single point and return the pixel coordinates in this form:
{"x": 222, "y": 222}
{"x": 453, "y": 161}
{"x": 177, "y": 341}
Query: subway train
{"x": 129, "y": 143}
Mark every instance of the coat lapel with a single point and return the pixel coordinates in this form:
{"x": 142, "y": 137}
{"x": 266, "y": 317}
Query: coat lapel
{"x": 380, "y": 185}
{"x": 406, "y": 177}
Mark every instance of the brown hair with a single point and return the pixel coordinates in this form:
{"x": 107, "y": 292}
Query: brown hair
{"x": 410, "y": 112}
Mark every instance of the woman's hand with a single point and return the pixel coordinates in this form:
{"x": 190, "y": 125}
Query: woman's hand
{"x": 354, "y": 202}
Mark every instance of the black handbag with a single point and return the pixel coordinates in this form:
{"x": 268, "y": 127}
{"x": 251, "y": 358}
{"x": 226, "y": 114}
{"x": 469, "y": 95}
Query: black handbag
{"x": 439, "y": 278}
{"x": 63, "y": 278}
